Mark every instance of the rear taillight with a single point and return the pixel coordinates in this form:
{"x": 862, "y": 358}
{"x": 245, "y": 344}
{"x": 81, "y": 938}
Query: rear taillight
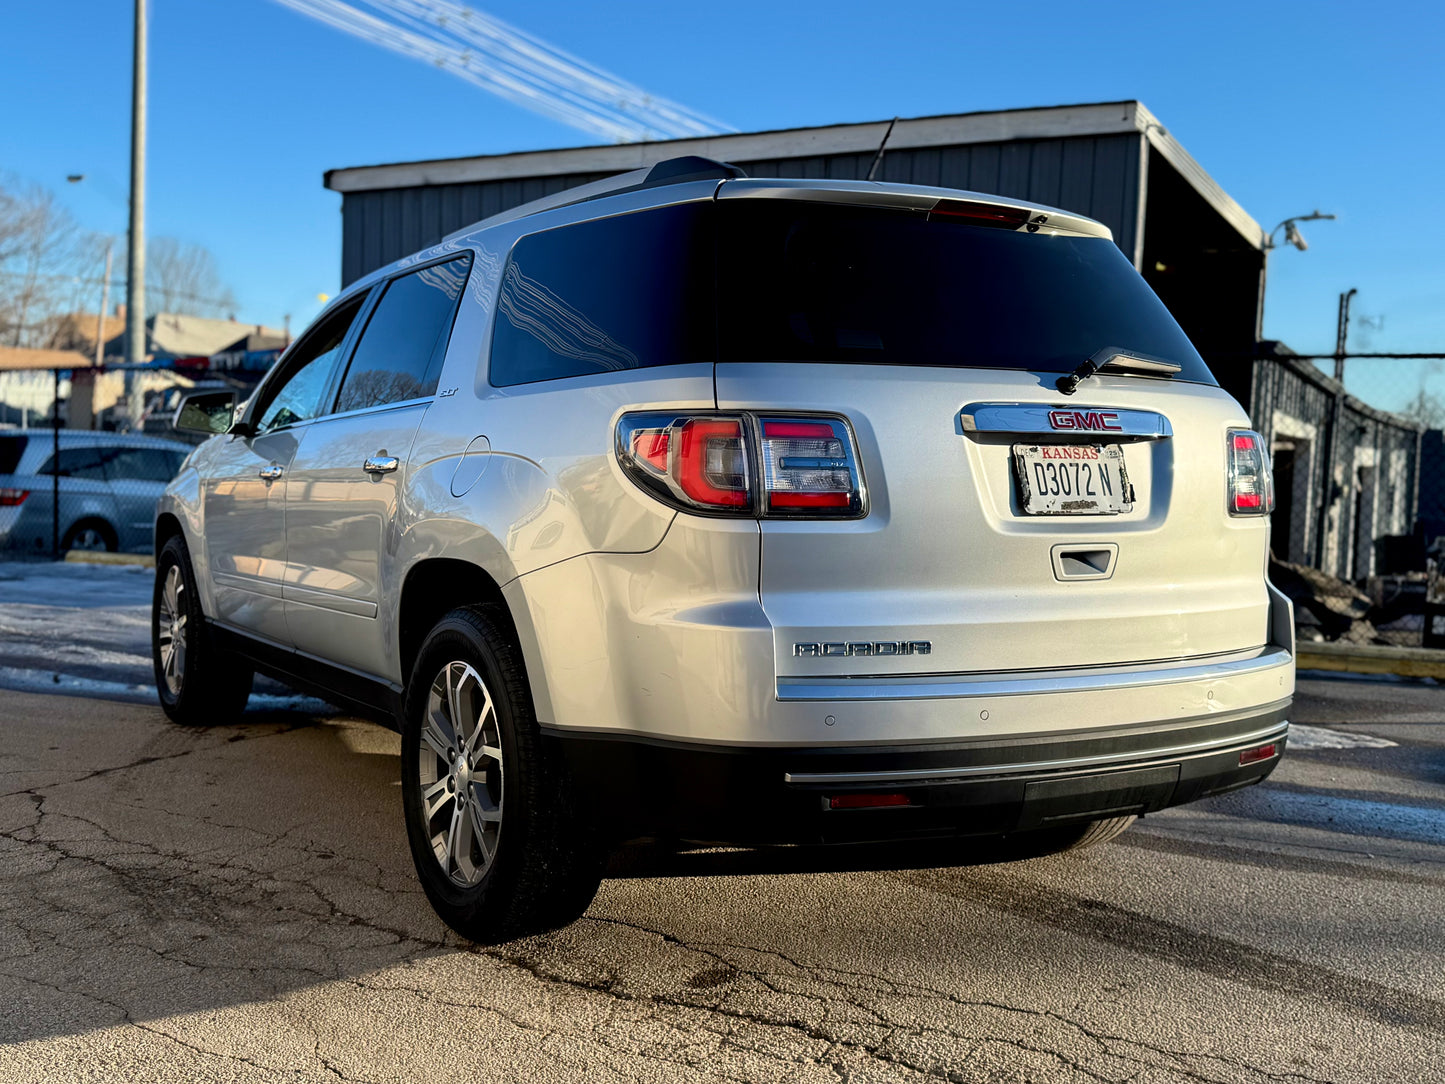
{"x": 13, "y": 498}
{"x": 747, "y": 465}
{"x": 1251, "y": 487}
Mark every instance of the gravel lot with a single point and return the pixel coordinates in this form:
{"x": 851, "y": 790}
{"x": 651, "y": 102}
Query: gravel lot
{"x": 238, "y": 904}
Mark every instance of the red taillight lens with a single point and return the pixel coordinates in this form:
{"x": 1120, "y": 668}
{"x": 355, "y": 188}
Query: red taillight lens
{"x": 1251, "y": 486}
{"x": 867, "y": 801}
{"x": 804, "y": 467}
{"x": 1254, "y": 756}
{"x": 650, "y": 446}
{"x": 712, "y": 463}
{"x": 13, "y": 498}
{"x": 979, "y": 214}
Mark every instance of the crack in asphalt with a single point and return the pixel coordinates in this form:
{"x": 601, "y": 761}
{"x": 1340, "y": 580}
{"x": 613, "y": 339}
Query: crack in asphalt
{"x": 758, "y": 1003}
{"x": 1220, "y": 957}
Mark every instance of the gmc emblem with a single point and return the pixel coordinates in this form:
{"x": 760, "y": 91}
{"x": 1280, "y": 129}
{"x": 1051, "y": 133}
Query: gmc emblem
{"x": 1085, "y": 419}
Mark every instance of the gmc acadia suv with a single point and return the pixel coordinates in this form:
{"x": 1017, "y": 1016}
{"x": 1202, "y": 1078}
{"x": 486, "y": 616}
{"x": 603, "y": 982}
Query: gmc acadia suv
{"x": 708, "y": 508}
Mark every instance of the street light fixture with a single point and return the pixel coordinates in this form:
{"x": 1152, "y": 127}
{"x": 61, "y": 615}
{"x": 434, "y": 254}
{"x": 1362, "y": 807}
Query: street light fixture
{"x": 1292, "y": 235}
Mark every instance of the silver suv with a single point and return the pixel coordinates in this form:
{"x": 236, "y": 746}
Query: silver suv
{"x": 698, "y": 507}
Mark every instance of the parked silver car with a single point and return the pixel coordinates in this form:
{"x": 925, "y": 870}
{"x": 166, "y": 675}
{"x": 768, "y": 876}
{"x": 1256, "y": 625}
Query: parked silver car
{"x": 108, "y": 484}
{"x": 701, "y": 507}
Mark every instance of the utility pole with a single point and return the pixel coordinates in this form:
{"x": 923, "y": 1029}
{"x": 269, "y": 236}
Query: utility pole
{"x": 104, "y": 304}
{"x": 1342, "y": 332}
{"x": 135, "y": 311}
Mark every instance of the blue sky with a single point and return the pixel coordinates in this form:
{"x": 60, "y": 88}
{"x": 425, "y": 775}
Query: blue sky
{"x": 1290, "y": 106}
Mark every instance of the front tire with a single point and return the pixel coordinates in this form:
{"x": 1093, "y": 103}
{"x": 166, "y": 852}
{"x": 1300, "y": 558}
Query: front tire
{"x": 198, "y": 683}
{"x": 490, "y": 818}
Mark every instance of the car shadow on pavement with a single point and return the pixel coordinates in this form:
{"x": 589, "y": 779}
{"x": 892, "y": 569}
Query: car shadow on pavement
{"x": 148, "y": 870}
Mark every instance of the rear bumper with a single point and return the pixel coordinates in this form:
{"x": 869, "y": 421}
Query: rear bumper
{"x": 742, "y": 795}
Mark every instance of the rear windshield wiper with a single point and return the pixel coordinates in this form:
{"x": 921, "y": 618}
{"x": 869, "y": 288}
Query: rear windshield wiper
{"x": 1116, "y": 360}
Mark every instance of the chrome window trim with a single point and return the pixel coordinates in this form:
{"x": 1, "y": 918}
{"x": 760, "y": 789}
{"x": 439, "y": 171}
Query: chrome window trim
{"x": 947, "y": 687}
{"x": 1032, "y": 419}
{"x": 1190, "y": 751}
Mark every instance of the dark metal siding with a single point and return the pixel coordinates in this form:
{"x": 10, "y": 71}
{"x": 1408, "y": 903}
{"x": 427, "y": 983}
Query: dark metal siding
{"x": 389, "y": 223}
{"x": 1096, "y": 176}
{"x": 1332, "y": 536}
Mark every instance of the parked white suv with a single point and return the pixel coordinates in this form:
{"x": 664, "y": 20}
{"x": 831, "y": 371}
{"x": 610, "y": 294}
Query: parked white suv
{"x": 692, "y": 506}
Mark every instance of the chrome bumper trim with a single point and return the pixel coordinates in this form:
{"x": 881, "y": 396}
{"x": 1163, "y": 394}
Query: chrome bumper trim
{"x": 1137, "y": 758}
{"x": 1053, "y": 681}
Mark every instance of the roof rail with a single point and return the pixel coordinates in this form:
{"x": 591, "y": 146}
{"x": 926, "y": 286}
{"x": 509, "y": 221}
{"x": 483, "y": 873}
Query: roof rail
{"x": 689, "y": 167}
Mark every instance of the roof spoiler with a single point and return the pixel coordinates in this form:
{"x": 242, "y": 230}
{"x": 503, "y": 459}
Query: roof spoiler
{"x": 690, "y": 167}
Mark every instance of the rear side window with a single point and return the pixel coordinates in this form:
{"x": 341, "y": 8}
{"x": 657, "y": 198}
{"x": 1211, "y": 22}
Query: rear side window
{"x": 87, "y": 462}
{"x": 627, "y": 292}
{"x": 400, "y": 353}
{"x": 142, "y": 464}
{"x": 802, "y": 281}
{"x": 11, "y": 449}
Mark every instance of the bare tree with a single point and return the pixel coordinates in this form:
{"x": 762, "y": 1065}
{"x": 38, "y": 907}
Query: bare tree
{"x": 44, "y": 262}
{"x": 181, "y": 277}
{"x": 1426, "y": 408}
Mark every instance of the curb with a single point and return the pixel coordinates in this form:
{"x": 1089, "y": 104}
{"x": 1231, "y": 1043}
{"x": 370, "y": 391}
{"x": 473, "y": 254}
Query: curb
{"x": 1371, "y": 659}
{"x": 102, "y": 557}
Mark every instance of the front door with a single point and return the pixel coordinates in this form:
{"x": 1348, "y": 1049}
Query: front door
{"x": 244, "y": 498}
{"x": 345, "y": 487}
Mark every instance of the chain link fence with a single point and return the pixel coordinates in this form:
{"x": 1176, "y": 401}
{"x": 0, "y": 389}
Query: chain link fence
{"x": 75, "y": 473}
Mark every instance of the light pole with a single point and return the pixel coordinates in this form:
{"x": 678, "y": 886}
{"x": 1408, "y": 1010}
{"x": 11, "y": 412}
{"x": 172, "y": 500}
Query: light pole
{"x": 1292, "y": 235}
{"x": 135, "y": 315}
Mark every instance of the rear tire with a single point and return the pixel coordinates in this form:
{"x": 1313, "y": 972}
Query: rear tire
{"x": 91, "y": 535}
{"x": 198, "y": 683}
{"x": 1072, "y": 837}
{"x": 495, "y": 835}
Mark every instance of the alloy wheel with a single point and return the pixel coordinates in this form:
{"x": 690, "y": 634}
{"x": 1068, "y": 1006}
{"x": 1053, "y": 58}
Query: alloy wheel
{"x": 171, "y": 629}
{"x": 459, "y": 767}
{"x": 88, "y": 539}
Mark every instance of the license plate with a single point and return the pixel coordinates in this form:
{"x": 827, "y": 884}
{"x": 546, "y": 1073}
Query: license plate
{"x": 1072, "y": 479}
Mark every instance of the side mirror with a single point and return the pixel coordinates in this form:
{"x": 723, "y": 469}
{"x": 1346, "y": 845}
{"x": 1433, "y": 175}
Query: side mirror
{"x": 206, "y": 412}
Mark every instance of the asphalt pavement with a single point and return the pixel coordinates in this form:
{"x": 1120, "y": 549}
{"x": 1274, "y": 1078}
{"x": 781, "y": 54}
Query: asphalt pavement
{"x": 238, "y": 904}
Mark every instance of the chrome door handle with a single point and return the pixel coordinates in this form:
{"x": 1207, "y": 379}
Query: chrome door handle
{"x": 381, "y": 464}
{"x": 272, "y": 472}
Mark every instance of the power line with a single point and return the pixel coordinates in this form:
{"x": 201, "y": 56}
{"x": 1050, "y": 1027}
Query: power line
{"x": 514, "y": 65}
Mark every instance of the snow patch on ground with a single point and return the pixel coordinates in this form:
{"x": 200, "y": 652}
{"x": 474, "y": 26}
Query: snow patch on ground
{"x": 1319, "y": 737}
{"x": 85, "y": 630}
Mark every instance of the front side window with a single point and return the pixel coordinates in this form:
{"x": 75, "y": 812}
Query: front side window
{"x": 399, "y": 356}
{"x": 627, "y": 292}
{"x": 297, "y": 397}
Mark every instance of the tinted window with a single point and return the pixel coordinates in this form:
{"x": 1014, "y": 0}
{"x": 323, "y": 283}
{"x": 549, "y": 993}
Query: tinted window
{"x": 11, "y": 449}
{"x": 297, "y": 398}
{"x": 619, "y": 293}
{"x": 83, "y": 462}
{"x": 816, "y": 282}
{"x": 400, "y": 353}
{"x": 144, "y": 464}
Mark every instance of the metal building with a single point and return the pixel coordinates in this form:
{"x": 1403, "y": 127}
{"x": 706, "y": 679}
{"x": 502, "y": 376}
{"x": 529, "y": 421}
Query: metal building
{"x": 1113, "y": 161}
{"x": 1349, "y": 473}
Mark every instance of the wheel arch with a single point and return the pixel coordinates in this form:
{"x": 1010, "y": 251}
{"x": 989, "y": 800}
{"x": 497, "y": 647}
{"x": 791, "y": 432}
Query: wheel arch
{"x": 435, "y": 586}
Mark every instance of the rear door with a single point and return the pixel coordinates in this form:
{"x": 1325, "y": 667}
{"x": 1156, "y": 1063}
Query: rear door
{"x": 343, "y": 488}
{"x": 244, "y": 492}
{"x": 138, "y": 474}
{"x": 941, "y": 343}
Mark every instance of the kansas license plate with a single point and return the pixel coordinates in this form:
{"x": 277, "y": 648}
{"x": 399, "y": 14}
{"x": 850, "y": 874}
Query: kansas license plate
{"x": 1072, "y": 479}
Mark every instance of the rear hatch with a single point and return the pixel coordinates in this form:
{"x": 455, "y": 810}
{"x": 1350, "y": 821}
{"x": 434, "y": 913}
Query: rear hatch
{"x": 941, "y": 342}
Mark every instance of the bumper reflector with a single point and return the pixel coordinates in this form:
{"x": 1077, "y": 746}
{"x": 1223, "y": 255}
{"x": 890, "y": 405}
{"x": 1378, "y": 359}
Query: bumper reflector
{"x": 1254, "y": 756}
{"x": 866, "y": 801}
